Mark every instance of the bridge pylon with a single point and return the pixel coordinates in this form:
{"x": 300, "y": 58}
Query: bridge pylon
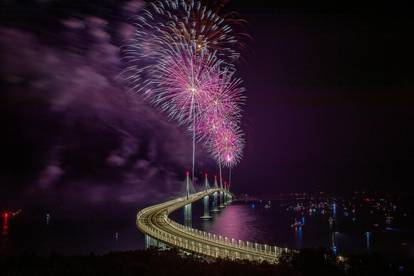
{"x": 187, "y": 184}
{"x": 206, "y": 214}
{"x": 188, "y": 214}
{"x": 221, "y": 194}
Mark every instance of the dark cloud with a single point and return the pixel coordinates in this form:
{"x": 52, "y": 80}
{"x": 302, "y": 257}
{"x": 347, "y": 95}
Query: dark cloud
{"x": 74, "y": 132}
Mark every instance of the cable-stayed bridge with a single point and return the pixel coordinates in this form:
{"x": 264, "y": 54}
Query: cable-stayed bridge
{"x": 161, "y": 231}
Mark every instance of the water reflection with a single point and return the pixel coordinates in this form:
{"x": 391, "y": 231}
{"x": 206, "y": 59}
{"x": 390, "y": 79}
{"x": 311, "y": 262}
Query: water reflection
{"x": 5, "y": 224}
{"x": 4, "y": 240}
{"x": 235, "y": 221}
{"x": 333, "y": 243}
{"x": 298, "y": 236}
{"x": 334, "y": 210}
{"x": 273, "y": 226}
{"x": 368, "y": 240}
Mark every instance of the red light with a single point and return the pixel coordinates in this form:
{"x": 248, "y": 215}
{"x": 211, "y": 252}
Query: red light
{"x": 187, "y": 173}
{"x": 5, "y": 228}
{"x": 205, "y": 174}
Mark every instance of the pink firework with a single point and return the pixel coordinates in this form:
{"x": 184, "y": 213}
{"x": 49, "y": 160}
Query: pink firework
{"x": 227, "y": 145}
{"x": 208, "y": 125}
{"x": 183, "y": 82}
{"x": 224, "y": 97}
{"x": 181, "y": 59}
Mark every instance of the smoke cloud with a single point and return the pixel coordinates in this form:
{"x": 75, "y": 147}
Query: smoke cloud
{"x": 74, "y": 133}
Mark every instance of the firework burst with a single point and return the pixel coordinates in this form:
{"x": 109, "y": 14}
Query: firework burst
{"x": 174, "y": 22}
{"x": 222, "y": 102}
{"x": 227, "y": 145}
{"x": 182, "y": 82}
{"x": 182, "y": 60}
{"x": 165, "y": 22}
{"x": 225, "y": 95}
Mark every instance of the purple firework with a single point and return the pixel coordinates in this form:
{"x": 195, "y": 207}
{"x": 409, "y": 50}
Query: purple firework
{"x": 181, "y": 61}
{"x": 182, "y": 82}
{"x": 227, "y": 145}
{"x": 169, "y": 23}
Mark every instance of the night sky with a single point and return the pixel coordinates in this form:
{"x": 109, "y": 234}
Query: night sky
{"x": 330, "y": 105}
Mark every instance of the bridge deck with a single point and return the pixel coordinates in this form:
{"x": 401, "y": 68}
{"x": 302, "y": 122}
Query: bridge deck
{"x": 154, "y": 221}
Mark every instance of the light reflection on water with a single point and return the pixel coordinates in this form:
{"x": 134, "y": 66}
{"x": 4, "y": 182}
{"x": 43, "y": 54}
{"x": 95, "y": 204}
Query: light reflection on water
{"x": 273, "y": 226}
{"x": 5, "y": 225}
{"x": 102, "y": 234}
{"x": 4, "y": 241}
{"x": 234, "y": 222}
{"x": 248, "y": 222}
{"x": 298, "y": 236}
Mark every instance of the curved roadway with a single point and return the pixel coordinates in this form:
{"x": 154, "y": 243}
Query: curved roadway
{"x": 154, "y": 222}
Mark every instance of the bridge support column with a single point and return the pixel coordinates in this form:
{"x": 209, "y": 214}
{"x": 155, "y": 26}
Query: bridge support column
{"x": 215, "y": 197}
{"x": 221, "y": 199}
{"x": 221, "y": 187}
{"x": 227, "y": 199}
{"x": 147, "y": 241}
{"x": 188, "y": 215}
{"x": 206, "y": 202}
{"x": 215, "y": 203}
{"x": 225, "y": 194}
{"x": 151, "y": 242}
{"x": 206, "y": 214}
